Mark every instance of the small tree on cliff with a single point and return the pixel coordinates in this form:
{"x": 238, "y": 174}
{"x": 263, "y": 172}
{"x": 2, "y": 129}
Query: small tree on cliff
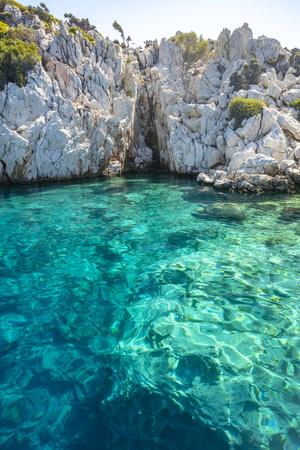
{"x": 119, "y": 29}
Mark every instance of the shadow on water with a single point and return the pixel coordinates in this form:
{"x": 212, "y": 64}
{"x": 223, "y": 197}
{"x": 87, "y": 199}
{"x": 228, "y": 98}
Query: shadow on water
{"x": 144, "y": 421}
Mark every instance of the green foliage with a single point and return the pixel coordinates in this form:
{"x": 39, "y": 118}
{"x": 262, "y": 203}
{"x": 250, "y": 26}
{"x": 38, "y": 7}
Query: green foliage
{"x": 44, "y": 14}
{"x": 249, "y": 75}
{"x": 3, "y": 28}
{"x": 17, "y": 58}
{"x": 83, "y": 24}
{"x": 244, "y": 108}
{"x": 13, "y": 3}
{"x": 120, "y": 30}
{"x": 73, "y": 30}
{"x": 21, "y": 33}
{"x": 194, "y": 47}
{"x": 296, "y": 104}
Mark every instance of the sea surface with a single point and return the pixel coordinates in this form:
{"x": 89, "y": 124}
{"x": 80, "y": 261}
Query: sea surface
{"x": 146, "y": 313}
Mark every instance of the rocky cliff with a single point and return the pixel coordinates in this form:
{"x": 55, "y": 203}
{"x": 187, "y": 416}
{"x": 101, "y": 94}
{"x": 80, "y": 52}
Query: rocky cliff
{"x": 92, "y": 108}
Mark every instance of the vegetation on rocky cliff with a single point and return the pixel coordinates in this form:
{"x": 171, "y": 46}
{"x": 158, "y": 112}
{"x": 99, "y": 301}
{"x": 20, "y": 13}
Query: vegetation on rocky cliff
{"x": 17, "y": 58}
{"x": 243, "y": 108}
{"x": 193, "y": 47}
{"x": 74, "y": 30}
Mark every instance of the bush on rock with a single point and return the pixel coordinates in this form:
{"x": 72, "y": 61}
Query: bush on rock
{"x": 74, "y": 29}
{"x": 244, "y": 108}
{"x": 17, "y": 58}
{"x": 193, "y": 47}
{"x": 21, "y": 33}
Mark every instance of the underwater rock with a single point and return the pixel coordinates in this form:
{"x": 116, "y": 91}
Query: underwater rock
{"x": 290, "y": 214}
{"x": 226, "y": 213}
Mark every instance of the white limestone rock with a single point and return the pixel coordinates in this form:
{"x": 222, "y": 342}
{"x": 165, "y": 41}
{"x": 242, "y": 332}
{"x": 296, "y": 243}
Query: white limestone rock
{"x": 288, "y": 123}
{"x": 260, "y": 164}
{"x": 291, "y": 96}
{"x": 274, "y": 144}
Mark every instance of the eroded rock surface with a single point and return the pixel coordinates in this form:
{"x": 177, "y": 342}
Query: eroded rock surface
{"x": 94, "y": 108}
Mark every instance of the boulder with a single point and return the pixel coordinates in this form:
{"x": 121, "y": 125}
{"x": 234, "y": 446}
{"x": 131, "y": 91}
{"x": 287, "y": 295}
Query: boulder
{"x": 205, "y": 179}
{"x": 289, "y": 124}
{"x": 291, "y": 96}
{"x": 260, "y": 164}
{"x": 274, "y": 144}
{"x": 267, "y": 50}
{"x": 287, "y": 164}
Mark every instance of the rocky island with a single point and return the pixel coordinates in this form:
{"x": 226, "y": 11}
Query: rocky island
{"x": 88, "y": 106}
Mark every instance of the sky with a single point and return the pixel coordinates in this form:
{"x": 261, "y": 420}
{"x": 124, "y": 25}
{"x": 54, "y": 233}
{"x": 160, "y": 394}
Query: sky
{"x": 152, "y": 19}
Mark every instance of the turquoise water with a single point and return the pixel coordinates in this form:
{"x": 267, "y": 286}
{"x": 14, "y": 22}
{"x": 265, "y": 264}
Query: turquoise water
{"x": 146, "y": 313}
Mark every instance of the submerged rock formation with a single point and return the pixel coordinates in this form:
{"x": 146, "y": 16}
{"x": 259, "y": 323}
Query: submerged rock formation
{"x": 92, "y": 108}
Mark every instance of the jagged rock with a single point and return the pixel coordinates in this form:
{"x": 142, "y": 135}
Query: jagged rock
{"x": 274, "y": 144}
{"x": 267, "y": 50}
{"x": 290, "y": 96}
{"x": 239, "y": 158}
{"x": 222, "y": 44}
{"x": 260, "y": 164}
{"x": 93, "y": 109}
{"x": 288, "y": 123}
{"x": 240, "y": 43}
{"x": 257, "y": 126}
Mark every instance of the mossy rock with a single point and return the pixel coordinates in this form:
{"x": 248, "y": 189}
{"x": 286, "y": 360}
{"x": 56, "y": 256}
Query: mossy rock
{"x": 244, "y": 108}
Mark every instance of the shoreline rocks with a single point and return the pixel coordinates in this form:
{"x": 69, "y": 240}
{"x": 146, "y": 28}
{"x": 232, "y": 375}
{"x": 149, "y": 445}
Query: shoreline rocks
{"x": 97, "y": 109}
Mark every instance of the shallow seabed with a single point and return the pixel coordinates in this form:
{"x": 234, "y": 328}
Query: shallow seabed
{"x": 143, "y": 313}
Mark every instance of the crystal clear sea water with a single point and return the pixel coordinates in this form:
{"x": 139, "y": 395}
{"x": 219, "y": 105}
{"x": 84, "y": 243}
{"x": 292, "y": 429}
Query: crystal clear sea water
{"x": 145, "y": 313}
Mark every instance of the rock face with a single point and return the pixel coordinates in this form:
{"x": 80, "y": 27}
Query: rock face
{"x": 75, "y": 116}
{"x": 94, "y": 109}
{"x": 193, "y": 129}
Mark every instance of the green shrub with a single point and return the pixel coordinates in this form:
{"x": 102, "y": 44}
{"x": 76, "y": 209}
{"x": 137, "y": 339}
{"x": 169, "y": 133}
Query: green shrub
{"x": 244, "y": 108}
{"x": 194, "y": 48}
{"x": 44, "y": 15}
{"x": 3, "y": 29}
{"x": 21, "y": 33}
{"x": 296, "y": 104}
{"x": 73, "y": 30}
{"x": 17, "y": 58}
{"x": 83, "y": 24}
